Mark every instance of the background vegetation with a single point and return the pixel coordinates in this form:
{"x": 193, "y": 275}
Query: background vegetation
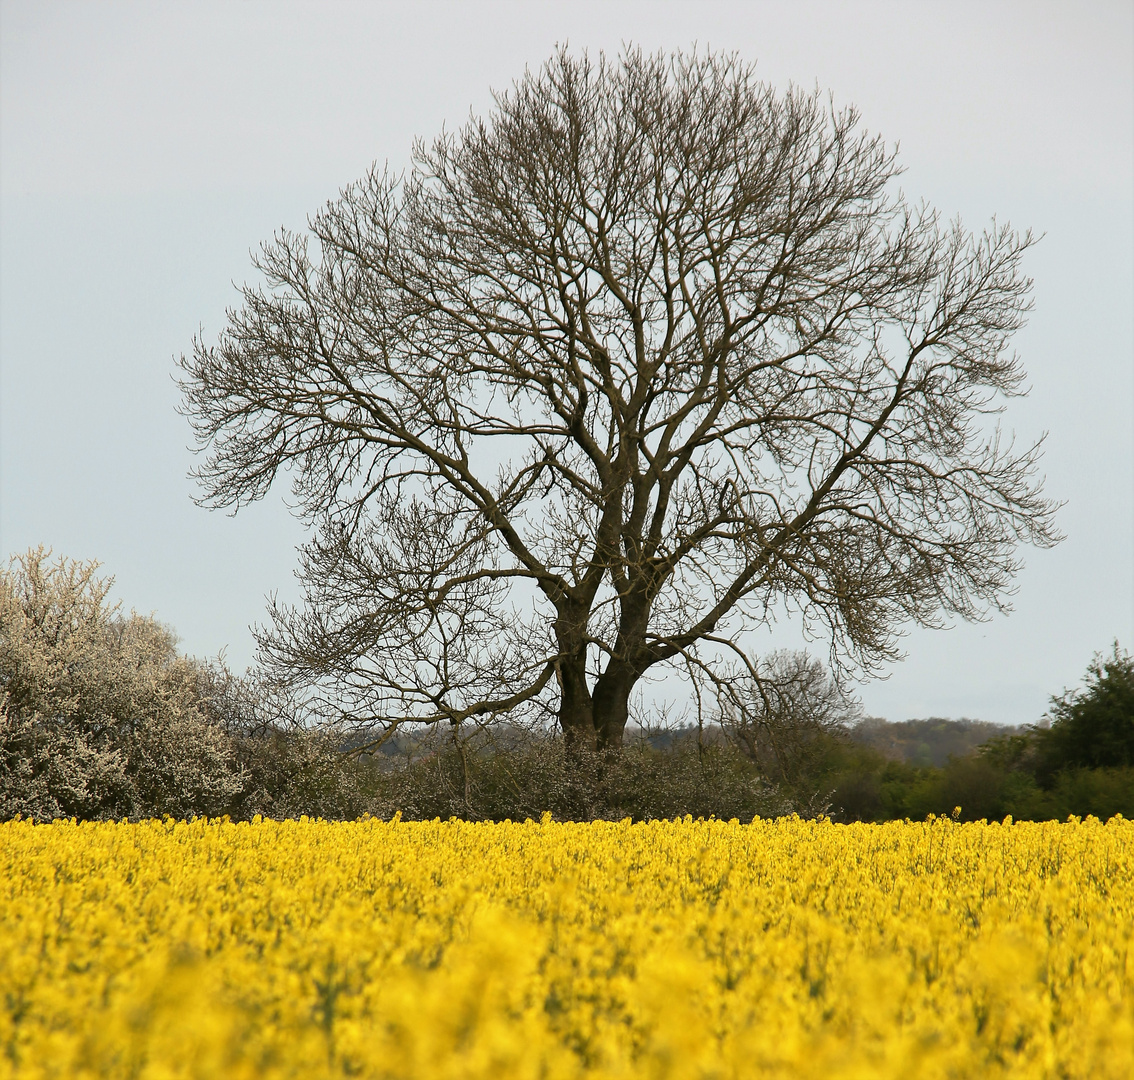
{"x": 102, "y": 718}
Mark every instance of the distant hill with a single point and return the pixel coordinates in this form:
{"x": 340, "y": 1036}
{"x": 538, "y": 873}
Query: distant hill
{"x": 927, "y": 742}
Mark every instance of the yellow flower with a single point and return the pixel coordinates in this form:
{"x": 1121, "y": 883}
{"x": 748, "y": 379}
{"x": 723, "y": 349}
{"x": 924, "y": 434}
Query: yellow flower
{"x": 684, "y": 949}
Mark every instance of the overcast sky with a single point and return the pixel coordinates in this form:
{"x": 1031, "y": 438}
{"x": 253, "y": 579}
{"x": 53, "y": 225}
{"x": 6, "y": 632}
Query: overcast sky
{"x": 146, "y": 148}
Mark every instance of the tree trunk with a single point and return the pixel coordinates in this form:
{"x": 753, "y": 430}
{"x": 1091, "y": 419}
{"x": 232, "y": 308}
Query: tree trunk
{"x": 611, "y": 704}
{"x": 576, "y": 710}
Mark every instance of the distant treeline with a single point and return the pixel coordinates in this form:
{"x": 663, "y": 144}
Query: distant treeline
{"x": 1078, "y": 760}
{"x": 927, "y": 743}
{"x": 101, "y": 717}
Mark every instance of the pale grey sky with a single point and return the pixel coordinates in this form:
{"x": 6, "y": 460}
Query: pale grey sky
{"x": 145, "y": 148}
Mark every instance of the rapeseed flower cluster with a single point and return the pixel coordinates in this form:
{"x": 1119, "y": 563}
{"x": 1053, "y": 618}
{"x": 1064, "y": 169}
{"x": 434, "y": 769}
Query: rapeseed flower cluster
{"x": 684, "y": 949}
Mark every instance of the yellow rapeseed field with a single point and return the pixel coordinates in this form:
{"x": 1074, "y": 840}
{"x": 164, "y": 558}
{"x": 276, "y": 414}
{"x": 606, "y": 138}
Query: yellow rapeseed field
{"x": 687, "y": 949}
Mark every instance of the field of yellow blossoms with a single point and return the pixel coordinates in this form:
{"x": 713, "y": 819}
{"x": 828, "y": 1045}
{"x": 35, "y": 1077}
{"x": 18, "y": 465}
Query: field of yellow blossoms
{"x": 687, "y": 949}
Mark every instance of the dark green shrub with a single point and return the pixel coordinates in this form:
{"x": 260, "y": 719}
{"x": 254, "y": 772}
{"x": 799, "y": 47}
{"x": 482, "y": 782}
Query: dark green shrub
{"x": 857, "y": 796}
{"x": 972, "y": 783}
{"x": 1101, "y": 792}
{"x": 1093, "y": 727}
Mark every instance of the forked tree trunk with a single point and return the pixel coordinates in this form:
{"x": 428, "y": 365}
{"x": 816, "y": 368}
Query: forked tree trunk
{"x": 576, "y": 709}
{"x": 611, "y": 704}
{"x": 594, "y": 721}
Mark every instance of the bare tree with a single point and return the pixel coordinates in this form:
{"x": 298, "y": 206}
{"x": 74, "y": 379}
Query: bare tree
{"x": 787, "y": 716}
{"x": 605, "y": 379}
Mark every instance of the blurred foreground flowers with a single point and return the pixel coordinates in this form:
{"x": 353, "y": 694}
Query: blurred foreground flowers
{"x": 784, "y": 948}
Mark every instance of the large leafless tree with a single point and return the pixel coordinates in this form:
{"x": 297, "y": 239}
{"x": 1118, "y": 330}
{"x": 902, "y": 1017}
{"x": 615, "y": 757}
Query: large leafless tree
{"x": 649, "y": 353}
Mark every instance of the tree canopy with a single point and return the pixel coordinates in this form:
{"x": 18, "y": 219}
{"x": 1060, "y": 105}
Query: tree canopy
{"x": 1092, "y": 727}
{"x": 605, "y": 380}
